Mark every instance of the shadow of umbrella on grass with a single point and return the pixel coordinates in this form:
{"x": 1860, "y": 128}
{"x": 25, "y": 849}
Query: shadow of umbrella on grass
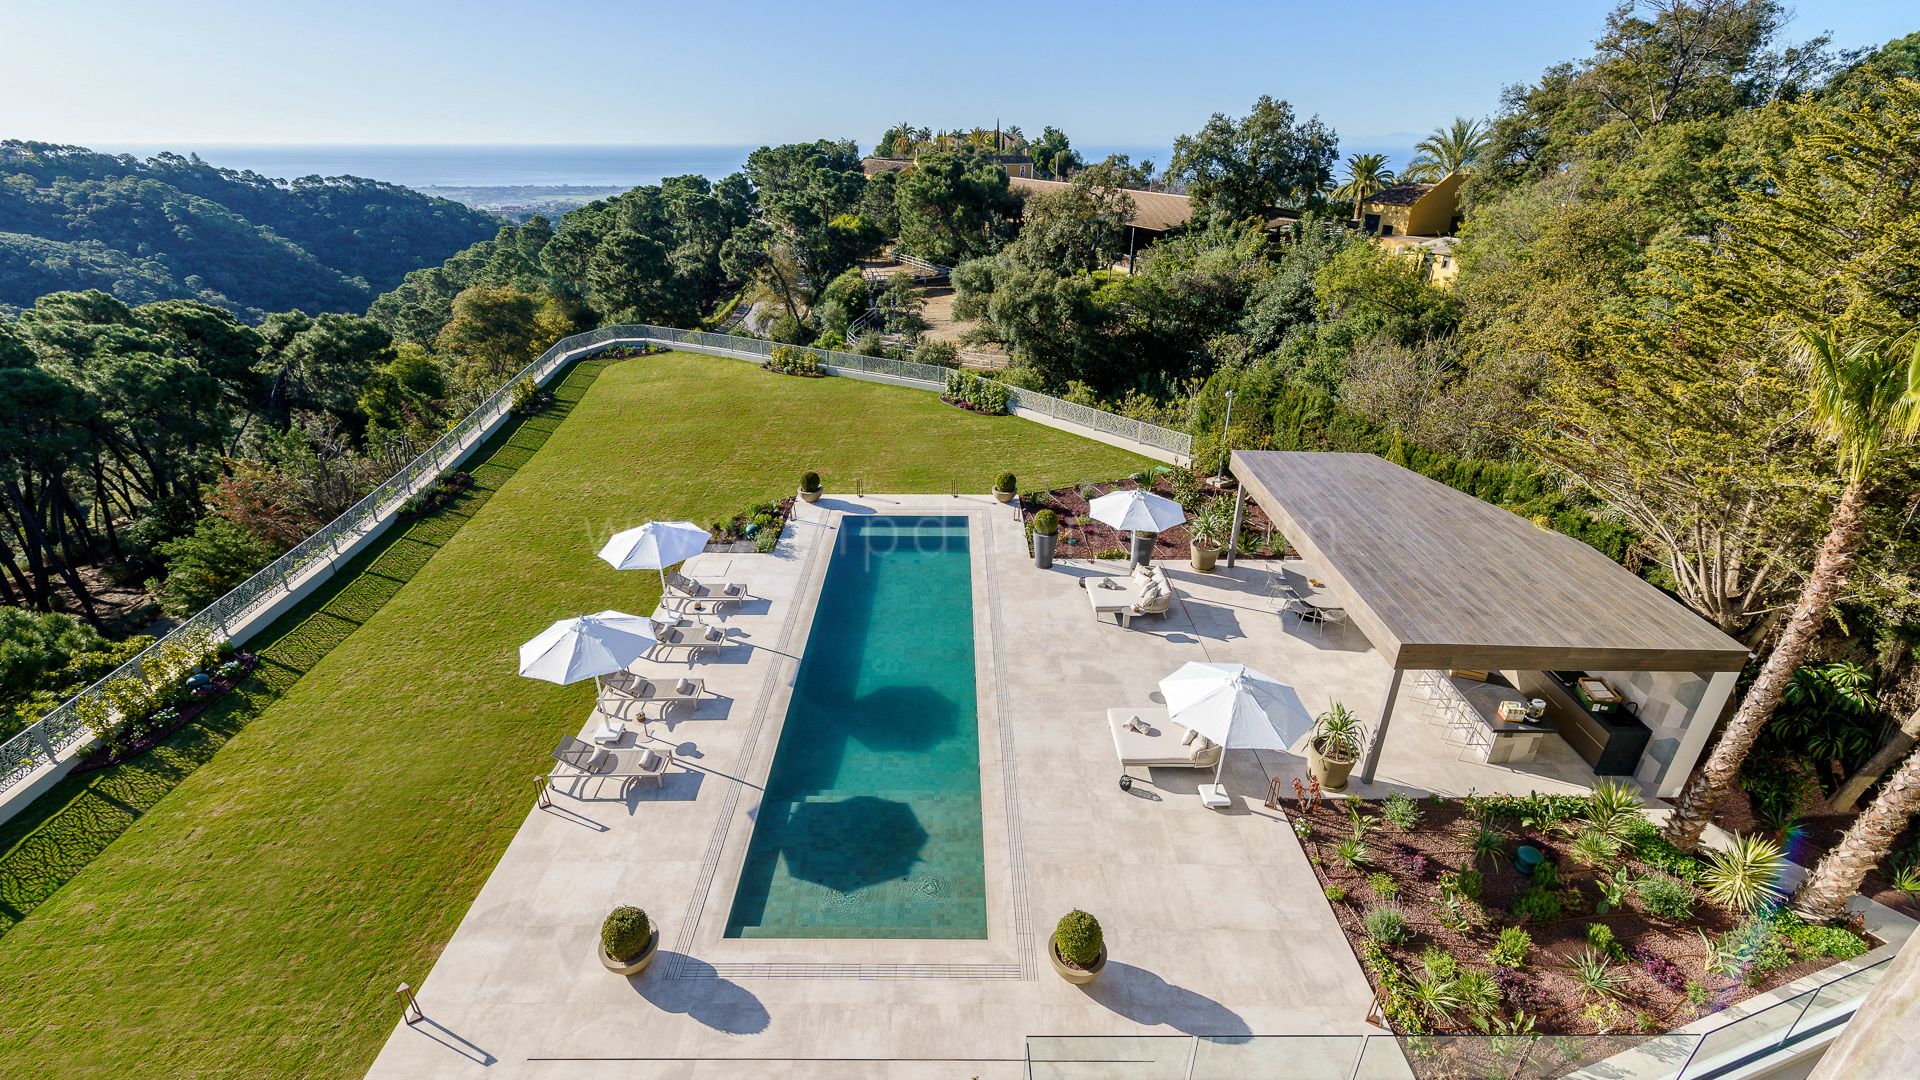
{"x": 853, "y": 843}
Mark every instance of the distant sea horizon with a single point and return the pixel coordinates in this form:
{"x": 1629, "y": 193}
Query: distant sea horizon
{"x": 506, "y": 165}
{"x": 525, "y": 165}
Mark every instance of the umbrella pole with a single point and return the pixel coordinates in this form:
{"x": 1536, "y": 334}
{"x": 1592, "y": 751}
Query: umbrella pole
{"x": 663, "y": 584}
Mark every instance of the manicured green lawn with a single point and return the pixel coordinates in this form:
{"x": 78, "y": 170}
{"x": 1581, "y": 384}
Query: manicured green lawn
{"x": 254, "y": 921}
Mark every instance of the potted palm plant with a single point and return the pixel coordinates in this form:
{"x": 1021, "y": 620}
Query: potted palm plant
{"x": 1338, "y": 739}
{"x": 1077, "y": 947}
{"x": 1046, "y": 533}
{"x": 1207, "y": 531}
{"x": 628, "y": 941}
{"x": 1004, "y": 488}
{"x": 810, "y": 486}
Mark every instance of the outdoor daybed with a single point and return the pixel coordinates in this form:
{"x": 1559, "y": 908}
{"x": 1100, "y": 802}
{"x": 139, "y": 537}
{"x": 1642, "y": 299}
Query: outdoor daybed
{"x": 1164, "y": 743}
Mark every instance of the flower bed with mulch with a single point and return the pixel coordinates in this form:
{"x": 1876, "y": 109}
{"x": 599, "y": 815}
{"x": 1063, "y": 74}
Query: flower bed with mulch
{"x": 1081, "y": 537}
{"x": 1665, "y": 974}
{"x": 153, "y": 730}
{"x": 444, "y": 491}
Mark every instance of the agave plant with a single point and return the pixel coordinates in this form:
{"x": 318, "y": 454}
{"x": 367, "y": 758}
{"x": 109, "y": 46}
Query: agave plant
{"x": 1745, "y": 876}
{"x": 1488, "y": 843}
{"x": 1595, "y": 849}
{"x": 1597, "y": 976}
{"x": 1612, "y": 809}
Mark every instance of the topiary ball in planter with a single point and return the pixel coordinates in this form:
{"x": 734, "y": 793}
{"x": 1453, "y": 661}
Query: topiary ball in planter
{"x": 628, "y": 940}
{"x": 810, "y": 486}
{"x": 1078, "y": 949}
{"x": 1004, "y": 487}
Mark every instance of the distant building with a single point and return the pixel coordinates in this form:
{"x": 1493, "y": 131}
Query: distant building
{"x": 1155, "y": 213}
{"x": 1434, "y": 252}
{"x": 1016, "y": 165}
{"x": 1414, "y": 209}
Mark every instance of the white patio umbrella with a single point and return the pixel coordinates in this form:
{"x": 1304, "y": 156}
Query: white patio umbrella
{"x": 587, "y": 646}
{"x": 1136, "y": 511}
{"x": 1235, "y": 706}
{"x": 655, "y": 546}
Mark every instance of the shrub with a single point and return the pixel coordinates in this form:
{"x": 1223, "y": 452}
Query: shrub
{"x": 1538, "y": 904}
{"x": 1382, "y": 885}
{"x": 1409, "y": 862}
{"x": 1523, "y": 992}
{"x": 1334, "y": 893}
{"x": 1834, "y": 942}
{"x": 1664, "y": 971}
{"x": 1600, "y": 936}
{"x": 1078, "y": 939}
{"x": 940, "y": 354}
{"x": 1595, "y": 849}
{"x": 1511, "y": 951}
{"x": 1462, "y": 883}
{"x": 625, "y": 933}
{"x": 1744, "y": 877}
{"x": 809, "y": 481}
{"x": 1387, "y": 924}
{"x": 1046, "y": 523}
{"x": 1665, "y": 898}
{"x": 1401, "y": 812}
{"x": 1351, "y": 852}
{"x": 1007, "y": 483}
{"x": 975, "y": 393}
{"x": 526, "y": 396}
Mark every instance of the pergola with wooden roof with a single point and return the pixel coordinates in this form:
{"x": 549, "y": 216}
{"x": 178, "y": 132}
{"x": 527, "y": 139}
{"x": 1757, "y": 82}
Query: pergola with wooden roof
{"x": 1437, "y": 579}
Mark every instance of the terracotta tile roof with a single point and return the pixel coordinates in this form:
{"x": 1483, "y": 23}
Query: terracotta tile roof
{"x": 1398, "y": 195}
{"x": 1155, "y": 211}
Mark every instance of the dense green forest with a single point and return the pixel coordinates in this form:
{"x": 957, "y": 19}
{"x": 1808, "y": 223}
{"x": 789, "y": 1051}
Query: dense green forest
{"x": 1681, "y": 255}
{"x": 175, "y": 227}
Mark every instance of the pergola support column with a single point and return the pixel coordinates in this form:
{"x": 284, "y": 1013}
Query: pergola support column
{"x": 1378, "y": 742}
{"x": 1239, "y": 515}
{"x": 1706, "y": 716}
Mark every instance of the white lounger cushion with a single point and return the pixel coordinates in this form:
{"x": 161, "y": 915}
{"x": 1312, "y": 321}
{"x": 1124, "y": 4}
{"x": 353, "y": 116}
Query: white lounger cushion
{"x": 1162, "y": 744}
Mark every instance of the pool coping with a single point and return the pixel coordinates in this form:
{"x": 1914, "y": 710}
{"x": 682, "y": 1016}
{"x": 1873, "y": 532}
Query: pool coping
{"x": 1007, "y": 952}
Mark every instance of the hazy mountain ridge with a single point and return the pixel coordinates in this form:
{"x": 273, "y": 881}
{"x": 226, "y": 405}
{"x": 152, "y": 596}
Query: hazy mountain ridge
{"x": 174, "y": 226}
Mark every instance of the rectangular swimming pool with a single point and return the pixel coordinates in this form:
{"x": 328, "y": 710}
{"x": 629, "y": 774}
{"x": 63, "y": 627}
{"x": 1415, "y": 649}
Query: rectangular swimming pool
{"x": 870, "y": 823}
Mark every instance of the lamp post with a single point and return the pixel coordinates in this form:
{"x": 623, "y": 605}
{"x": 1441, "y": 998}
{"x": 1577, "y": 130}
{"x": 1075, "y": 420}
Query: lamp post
{"x": 1226, "y": 435}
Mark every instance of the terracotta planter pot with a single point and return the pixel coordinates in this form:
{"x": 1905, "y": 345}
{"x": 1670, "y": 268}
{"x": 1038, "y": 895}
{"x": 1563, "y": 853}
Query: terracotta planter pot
{"x": 1002, "y": 496}
{"x": 1043, "y": 544}
{"x": 1331, "y": 772}
{"x": 1204, "y": 558}
{"x": 809, "y": 496}
{"x": 1074, "y": 975}
{"x": 636, "y": 965}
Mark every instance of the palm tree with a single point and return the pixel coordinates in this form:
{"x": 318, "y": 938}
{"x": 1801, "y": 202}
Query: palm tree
{"x": 1864, "y": 398}
{"x": 1869, "y": 839}
{"x": 1366, "y": 174}
{"x": 1448, "y": 150}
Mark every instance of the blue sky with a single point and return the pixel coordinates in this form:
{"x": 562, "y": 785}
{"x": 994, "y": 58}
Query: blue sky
{"x": 1110, "y": 74}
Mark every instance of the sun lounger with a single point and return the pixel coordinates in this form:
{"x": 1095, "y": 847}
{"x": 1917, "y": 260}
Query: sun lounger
{"x": 627, "y": 686}
{"x": 688, "y": 641}
{"x": 581, "y": 760}
{"x": 1164, "y": 744}
{"x": 684, "y": 589}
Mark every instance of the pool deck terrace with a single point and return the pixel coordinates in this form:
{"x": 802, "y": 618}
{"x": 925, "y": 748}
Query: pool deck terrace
{"x": 1214, "y": 921}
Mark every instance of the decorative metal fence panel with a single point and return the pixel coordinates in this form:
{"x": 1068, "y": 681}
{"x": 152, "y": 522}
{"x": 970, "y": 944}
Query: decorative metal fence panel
{"x": 319, "y": 554}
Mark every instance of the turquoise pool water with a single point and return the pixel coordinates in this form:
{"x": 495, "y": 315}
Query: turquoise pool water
{"x": 870, "y": 824}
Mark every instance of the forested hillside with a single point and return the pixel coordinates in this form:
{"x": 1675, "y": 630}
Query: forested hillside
{"x": 176, "y": 227}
